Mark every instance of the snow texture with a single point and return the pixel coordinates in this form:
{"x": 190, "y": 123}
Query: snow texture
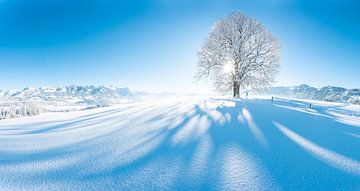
{"x": 185, "y": 144}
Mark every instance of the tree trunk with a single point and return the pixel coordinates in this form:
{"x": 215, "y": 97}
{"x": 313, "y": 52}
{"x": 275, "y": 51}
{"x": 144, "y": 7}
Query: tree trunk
{"x": 236, "y": 90}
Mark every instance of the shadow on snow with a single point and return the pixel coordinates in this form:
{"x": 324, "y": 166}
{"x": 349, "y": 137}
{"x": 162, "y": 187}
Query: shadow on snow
{"x": 208, "y": 144}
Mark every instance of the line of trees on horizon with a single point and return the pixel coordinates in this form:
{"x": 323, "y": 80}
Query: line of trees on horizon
{"x": 14, "y": 110}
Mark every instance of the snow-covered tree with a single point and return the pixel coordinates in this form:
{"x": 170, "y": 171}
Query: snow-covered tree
{"x": 239, "y": 53}
{"x": 29, "y": 109}
{"x": 13, "y": 110}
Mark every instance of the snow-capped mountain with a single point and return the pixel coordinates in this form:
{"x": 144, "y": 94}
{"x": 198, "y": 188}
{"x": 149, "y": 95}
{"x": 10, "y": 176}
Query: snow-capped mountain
{"x": 328, "y": 93}
{"x": 74, "y": 96}
{"x": 73, "y": 90}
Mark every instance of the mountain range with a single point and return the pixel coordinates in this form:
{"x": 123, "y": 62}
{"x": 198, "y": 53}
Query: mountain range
{"x": 76, "y": 95}
{"x": 327, "y": 93}
{"x": 73, "y": 96}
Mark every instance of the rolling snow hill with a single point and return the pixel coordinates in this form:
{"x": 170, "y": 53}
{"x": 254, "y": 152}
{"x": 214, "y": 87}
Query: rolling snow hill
{"x": 185, "y": 144}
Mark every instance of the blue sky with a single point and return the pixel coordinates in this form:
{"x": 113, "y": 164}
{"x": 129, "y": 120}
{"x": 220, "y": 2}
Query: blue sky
{"x": 152, "y": 45}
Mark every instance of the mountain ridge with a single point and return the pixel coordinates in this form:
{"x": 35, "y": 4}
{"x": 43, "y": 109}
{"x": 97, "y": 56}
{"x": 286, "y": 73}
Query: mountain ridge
{"x": 101, "y": 94}
{"x": 326, "y": 93}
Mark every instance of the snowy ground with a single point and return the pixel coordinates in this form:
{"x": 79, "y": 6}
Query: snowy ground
{"x": 185, "y": 144}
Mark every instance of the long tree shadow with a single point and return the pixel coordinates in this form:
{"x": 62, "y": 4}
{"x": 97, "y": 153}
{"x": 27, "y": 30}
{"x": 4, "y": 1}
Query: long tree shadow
{"x": 217, "y": 144}
{"x": 278, "y": 165}
{"x": 219, "y": 131}
{"x": 286, "y": 159}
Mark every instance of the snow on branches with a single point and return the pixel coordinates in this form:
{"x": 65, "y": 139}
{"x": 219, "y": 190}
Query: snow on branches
{"x": 239, "y": 53}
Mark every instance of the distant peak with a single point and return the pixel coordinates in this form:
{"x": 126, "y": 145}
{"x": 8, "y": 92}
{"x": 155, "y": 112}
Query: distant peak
{"x": 28, "y": 88}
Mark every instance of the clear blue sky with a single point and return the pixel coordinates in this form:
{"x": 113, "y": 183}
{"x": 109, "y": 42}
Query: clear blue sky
{"x": 152, "y": 45}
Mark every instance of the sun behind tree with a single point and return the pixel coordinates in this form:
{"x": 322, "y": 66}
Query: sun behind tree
{"x": 239, "y": 53}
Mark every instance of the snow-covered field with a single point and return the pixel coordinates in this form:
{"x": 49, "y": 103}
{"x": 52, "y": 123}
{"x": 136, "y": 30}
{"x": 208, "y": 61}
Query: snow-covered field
{"x": 185, "y": 144}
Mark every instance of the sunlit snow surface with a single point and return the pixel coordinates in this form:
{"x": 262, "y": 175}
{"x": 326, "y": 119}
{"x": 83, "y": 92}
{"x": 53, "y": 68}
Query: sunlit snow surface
{"x": 185, "y": 144}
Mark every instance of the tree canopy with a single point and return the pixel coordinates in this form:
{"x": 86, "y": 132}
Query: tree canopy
{"x": 239, "y": 53}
